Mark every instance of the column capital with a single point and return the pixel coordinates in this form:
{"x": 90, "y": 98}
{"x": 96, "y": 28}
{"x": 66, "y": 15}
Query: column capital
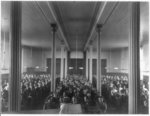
{"x": 54, "y": 27}
{"x": 99, "y": 27}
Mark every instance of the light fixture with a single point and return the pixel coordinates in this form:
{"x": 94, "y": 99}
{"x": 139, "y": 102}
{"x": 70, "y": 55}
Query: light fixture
{"x": 70, "y": 67}
{"x": 81, "y": 68}
{"x": 116, "y": 68}
{"x": 37, "y": 67}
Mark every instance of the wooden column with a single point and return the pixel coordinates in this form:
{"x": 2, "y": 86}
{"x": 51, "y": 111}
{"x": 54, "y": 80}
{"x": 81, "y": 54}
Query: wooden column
{"x": 0, "y": 74}
{"x": 66, "y": 63}
{"x": 15, "y": 31}
{"x": 84, "y": 63}
{"x": 87, "y": 64}
{"x": 53, "y": 61}
{"x": 62, "y": 62}
{"x": 98, "y": 28}
{"x": 134, "y": 58}
{"x": 91, "y": 62}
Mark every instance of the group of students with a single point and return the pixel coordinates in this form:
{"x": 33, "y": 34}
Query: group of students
{"x": 4, "y": 95}
{"x": 115, "y": 91}
{"x": 77, "y": 91}
{"x": 34, "y": 89}
{"x": 144, "y": 98}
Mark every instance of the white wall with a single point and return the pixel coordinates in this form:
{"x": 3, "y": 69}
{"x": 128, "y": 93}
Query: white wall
{"x": 5, "y": 50}
{"x": 119, "y": 59}
{"x": 144, "y": 58}
{"x": 124, "y": 60}
{"x": 116, "y": 58}
{"x": 37, "y": 57}
{"x": 33, "y": 57}
{"x": 76, "y": 54}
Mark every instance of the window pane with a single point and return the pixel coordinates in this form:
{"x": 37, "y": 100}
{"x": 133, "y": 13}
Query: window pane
{"x": 114, "y": 44}
{"x": 144, "y": 57}
{"x": 5, "y": 55}
{"x": 37, "y": 56}
{"x": 36, "y": 62}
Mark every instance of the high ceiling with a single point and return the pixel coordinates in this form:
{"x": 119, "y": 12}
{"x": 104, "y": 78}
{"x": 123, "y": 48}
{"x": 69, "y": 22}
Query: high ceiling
{"x": 76, "y": 19}
{"x": 75, "y": 23}
{"x": 116, "y": 30}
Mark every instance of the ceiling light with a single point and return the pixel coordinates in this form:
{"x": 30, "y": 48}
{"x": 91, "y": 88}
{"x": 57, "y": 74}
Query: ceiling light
{"x": 37, "y": 67}
{"x": 81, "y": 68}
{"x": 116, "y": 68}
{"x": 70, "y": 67}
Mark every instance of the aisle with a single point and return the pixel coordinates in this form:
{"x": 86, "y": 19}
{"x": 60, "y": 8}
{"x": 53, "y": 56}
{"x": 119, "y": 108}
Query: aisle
{"x": 70, "y": 108}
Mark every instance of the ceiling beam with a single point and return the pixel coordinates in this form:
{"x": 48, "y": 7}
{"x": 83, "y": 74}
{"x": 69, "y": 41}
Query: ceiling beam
{"x": 60, "y": 28}
{"x": 47, "y": 19}
{"x": 100, "y": 12}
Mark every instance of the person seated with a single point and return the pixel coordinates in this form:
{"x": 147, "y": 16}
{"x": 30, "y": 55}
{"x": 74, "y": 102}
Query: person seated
{"x": 66, "y": 99}
{"x": 70, "y": 93}
{"x": 52, "y": 102}
{"x": 124, "y": 91}
{"x": 85, "y": 90}
{"x": 74, "y": 100}
{"x": 94, "y": 95}
{"x": 5, "y": 94}
{"x": 89, "y": 100}
{"x": 120, "y": 89}
{"x": 102, "y": 104}
{"x": 114, "y": 91}
{"x": 47, "y": 104}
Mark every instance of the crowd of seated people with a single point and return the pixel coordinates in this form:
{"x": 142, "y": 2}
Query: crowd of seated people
{"x": 144, "y": 98}
{"x": 76, "y": 91}
{"x": 4, "y": 95}
{"x": 115, "y": 91}
{"x": 51, "y": 102}
{"x": 34, "y": 89}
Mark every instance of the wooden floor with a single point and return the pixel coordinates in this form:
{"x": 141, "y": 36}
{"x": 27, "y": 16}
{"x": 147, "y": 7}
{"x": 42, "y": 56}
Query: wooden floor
{"x": 56, "y": 111}
{"x": 49, "y": 111}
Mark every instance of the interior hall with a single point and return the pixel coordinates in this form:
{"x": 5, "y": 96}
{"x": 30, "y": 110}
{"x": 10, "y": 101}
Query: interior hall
{"x": 74, "y": 57}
